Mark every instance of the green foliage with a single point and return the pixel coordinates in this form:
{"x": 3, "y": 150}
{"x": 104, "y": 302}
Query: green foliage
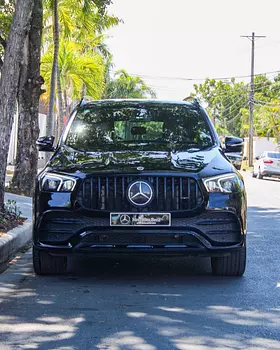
{"x": 12, "y": 208}
{"x": 82, "y": 48}
{"x": 266, "y": 108}
{"x": 124, "y": 85}
{"x": 86, "y": 5}
{"x": 10, "y": 216}
{"x": 76, "y": 70}
{"x": 80, "y": 20}
{"x": 6, "y": 14}
{"x": 228, "y": 105}
{"x": 224, "y": 102}
{"x": 102, "y": 4}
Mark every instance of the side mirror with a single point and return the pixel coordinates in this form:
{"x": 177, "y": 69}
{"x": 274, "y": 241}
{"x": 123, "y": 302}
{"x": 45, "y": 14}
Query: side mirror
{"x": 244, "y": 158}
{"x": 45, "y": 143}
{"x": 234, "y": 144}
{"x": 257, "y": 158}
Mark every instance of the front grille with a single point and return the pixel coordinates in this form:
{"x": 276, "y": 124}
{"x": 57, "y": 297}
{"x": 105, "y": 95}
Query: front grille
{"x": 109, "y": 193}
{"x": 123, "y": 238}
{"x": 218, "y": 227}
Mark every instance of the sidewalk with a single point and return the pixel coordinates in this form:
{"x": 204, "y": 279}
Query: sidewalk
{"x": 10, "y": 171}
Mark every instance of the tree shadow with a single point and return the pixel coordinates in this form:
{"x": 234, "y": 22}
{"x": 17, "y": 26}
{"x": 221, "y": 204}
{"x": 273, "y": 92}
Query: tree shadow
{"x": 148, "y": 303}
{"x": 269, "y": 178}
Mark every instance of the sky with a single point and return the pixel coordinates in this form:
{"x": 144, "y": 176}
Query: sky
{"x": 194, "y": 40}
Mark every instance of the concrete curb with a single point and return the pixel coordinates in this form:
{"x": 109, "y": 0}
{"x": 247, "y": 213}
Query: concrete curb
{"x": 14, "y": 240}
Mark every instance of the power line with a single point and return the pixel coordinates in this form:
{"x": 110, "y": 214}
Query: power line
{"x": 261, "y": 86}
{"x": 237, "y": 108}
{"x": 234, "y": 118}
{"x": 199, "y": 79}
{"x": 274, "y": 43}
{"x": 271, "y": 104}
{"x": 252, "y": 37}
{"x": 229, "y": 106}
{"x": 244, "y": 105}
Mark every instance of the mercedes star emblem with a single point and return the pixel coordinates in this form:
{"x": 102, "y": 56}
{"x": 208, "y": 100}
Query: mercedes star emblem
{"x": 140, "y": 193}
{"x": 125, "y": 219}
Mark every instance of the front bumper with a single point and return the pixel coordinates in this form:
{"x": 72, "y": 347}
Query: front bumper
{"x": 210, "y": 233}
{"x": 271, "y": 172}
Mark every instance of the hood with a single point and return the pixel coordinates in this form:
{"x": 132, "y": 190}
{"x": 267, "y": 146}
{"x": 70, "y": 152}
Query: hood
{"x": 67, "y": 160}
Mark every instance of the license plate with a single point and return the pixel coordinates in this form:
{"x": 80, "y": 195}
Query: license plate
{"x": 140, "y": 219}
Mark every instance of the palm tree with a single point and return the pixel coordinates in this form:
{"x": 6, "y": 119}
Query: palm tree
{"x": 53, "y": 5}
{"x": 81, "y": 21}
{"x": 126, "y": 86}
{"x": 76, "y": 69}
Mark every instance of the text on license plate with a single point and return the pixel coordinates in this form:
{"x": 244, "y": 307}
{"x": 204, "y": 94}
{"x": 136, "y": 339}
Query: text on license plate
{"x": 140, "y": 219}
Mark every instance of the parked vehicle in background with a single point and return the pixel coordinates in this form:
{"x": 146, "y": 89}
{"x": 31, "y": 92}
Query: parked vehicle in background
{"x": 236, "y": 154}
{"x": 268, "y": 164}
{"x": 236, "y": 159}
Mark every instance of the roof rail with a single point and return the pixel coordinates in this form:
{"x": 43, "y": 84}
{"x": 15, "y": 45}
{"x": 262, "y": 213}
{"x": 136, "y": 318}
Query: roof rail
{"x": 195, "y": 101}
{"x": 82, "y": 102}
{"x": 191, "y": 99}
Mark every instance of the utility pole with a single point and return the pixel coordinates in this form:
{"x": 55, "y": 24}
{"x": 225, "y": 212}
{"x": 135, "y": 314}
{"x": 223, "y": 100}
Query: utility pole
{"x": 251, "y": 98}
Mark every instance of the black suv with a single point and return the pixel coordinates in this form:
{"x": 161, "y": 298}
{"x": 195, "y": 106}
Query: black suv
{"x": 139, "y": 177}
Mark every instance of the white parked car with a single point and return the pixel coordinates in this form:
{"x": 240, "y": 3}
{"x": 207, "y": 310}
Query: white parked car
{"x": 268, "y": 164}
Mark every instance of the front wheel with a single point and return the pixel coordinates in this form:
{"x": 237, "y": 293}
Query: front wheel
{"x": 46, "y": 264}
{"x": 231, "y": 265}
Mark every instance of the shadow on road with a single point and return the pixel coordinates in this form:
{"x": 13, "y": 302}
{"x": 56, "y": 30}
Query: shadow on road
{"x": 276, "y": 179}
{"x": 149, "y": 303}
{"x": 156, "y": 268}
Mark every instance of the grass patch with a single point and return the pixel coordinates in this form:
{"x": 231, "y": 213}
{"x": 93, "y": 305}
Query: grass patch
{"x": 247, "y": 168}
{"x": 10, "y": 217}
{"x": 15, "y": 190}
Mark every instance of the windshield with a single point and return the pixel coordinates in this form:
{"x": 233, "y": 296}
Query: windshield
{"x": 274, "y": 155}
{"x": 153, "y": 127}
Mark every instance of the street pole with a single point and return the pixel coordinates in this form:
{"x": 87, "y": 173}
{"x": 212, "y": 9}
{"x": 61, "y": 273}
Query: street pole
{"x": 251, "y": 97}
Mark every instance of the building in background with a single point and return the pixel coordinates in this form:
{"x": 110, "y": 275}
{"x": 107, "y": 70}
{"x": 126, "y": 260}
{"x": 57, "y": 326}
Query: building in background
{"x": 260, "y": 145}
{"x": 14, "y": 135}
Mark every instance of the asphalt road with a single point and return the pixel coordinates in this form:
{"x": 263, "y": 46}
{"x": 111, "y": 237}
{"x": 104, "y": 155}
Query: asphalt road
{"x": 152, "y": 304}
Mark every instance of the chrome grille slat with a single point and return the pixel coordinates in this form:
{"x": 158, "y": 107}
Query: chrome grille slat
{"x": 171, "y": 193}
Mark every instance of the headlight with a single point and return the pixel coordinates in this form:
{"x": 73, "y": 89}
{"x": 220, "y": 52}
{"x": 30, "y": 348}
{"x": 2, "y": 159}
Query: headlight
{"x": 57, "y": 183}
{"x": 227, "y": 183}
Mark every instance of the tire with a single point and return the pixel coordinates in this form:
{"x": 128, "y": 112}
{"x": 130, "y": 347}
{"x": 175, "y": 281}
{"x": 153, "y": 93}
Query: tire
{"x": 46, "y": 264}
{"x": 253, "y": 174}
{"x": 259, "y": 175}
{"x": 231, "y": 265}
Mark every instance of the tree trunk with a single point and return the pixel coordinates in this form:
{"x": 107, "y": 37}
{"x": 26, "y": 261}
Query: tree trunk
{"x": 60, "y": 106}
{"x": 84, "y": 90}
{"x": 50, "y": 117}
{"x": 9, "y": 81}
{"x": 65, "y": 104}
{"x": 28, "y": 104}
